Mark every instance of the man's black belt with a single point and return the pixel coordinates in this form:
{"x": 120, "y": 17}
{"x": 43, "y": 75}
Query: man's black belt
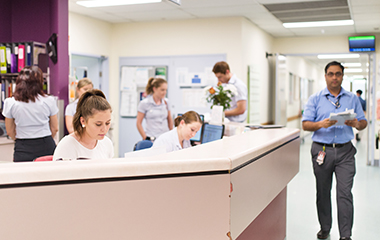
{"x": 334, "y": 145}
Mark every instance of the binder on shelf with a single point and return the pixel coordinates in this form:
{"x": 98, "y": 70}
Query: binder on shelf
{"x": 8, "y": 51}
{"x": 36, "y": 49}
{"x": 21, "y": 57}
{"x": 14, "y": 58}
{"x": 3, "y": 60}
{"x": 28, "y": 54}
{"x": 2, "y": 92}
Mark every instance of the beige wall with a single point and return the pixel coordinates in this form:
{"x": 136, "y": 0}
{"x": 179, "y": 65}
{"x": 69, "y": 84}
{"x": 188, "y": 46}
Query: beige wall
{"x": 242, "y": 41}
{"x": 255, "y": 44}
{"x": 238, "y": 38}
{"x": 89, "y": 36}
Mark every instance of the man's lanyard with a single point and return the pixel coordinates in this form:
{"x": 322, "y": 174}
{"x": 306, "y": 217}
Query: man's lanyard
{"x": 336, "y": 104}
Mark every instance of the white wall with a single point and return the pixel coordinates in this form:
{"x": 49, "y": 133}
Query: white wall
{"x": 243, "y": 43}
{"x": 189, "y": 37}
{"x": 89, "y": 36}
{"x": 255, "y": 44}
{"x": 299, "y": 66}
{"x": 238, "y": 38}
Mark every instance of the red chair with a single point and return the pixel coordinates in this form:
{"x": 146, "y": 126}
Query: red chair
{"x": 44, "y": 158}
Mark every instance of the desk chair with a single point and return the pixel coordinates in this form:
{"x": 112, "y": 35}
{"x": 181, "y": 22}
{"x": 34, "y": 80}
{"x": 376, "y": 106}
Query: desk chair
{"x": 44, "y": 158}
{"x": 143, "y": 144}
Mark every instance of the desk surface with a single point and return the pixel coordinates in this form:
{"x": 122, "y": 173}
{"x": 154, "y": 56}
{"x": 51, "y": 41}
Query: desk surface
{"x": 221, "y": 155}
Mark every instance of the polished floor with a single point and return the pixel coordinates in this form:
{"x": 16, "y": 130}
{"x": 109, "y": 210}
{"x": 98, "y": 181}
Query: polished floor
{"x": 302, "y": 222}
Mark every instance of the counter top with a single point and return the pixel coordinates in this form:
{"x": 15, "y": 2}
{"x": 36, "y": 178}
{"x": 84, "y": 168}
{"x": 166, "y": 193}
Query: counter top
{"x": 222, "y": 155}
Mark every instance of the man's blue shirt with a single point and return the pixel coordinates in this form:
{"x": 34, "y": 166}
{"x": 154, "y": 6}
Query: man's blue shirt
{"x": 318, "y": 108}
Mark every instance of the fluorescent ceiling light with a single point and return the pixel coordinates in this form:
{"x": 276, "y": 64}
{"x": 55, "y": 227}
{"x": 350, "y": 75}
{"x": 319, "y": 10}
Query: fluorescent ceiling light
{"x": 335, "y": 56}
{"x": 353, "y": 70}
{"x": 108, "y": 3}
{"x": 352, "y": 64}
{"x": 318, "y": 24}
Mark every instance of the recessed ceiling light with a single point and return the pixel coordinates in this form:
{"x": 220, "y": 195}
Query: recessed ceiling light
{"x": 353, "y": 70}
{"x": 318, "y": 24}
{"x": 358, "y": 76}
{"x": 108, "y": 3}
{"x": 352, "y": 64}
{"x": 336, "y": 56}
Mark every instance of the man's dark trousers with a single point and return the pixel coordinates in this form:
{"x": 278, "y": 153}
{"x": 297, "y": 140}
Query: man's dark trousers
{"x": 341, "y": 160}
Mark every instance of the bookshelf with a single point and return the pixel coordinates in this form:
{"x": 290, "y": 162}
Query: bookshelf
{"x": 37, "y": 20}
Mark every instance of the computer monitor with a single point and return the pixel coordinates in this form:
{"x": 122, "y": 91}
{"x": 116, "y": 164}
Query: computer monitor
{"x": 197, "y": 137}
{"x": 212, "y": 132}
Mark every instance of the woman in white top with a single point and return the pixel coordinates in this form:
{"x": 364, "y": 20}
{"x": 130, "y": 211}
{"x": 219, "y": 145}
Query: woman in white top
{"x": 31, "y": 117}
{"x": 155, "y": 110}
{"x": 187, "y": 126}
{"x": 83, "y": 86}
{"x": 91, "y": 123}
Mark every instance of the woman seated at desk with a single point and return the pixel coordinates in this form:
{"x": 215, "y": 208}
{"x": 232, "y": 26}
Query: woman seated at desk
{"x": 91, "y": 123}
{"x": 186, "y": 126}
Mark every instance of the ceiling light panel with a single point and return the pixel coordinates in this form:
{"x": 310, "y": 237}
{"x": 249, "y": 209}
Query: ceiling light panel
{"x": 310, "y": 11}
{"x": 318, "y": 24}
{"x": 337, "y": 56}
{"x": 108, "y": 3}
{"x": 352, "y": 64}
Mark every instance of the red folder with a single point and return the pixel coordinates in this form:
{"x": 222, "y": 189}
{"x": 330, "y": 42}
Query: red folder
{"x": 21, "y": 57}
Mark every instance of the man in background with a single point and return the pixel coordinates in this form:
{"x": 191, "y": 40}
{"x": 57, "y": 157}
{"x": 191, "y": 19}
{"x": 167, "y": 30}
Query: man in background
{"x": 364, "y": 106}
{"x": 238, "y": 110}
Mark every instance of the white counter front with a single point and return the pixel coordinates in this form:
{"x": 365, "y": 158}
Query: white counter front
{"x": 178, "y": 195}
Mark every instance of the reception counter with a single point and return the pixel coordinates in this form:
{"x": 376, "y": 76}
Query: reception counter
{"x": 234, "y": 188}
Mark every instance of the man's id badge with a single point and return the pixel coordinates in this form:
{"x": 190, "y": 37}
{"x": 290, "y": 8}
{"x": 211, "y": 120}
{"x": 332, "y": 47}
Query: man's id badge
{"x": 321, "y": 157}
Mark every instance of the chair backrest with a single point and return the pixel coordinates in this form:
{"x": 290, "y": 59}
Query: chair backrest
{"x": 143, "y": 145}
{"x": 44, "y": 158}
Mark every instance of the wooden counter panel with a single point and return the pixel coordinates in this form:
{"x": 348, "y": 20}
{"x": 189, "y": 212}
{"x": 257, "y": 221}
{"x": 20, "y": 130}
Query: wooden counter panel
{"x": 196, "y": 207}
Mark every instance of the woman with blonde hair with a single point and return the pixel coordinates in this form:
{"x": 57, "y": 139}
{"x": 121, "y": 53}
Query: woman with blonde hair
{"x": 91, "y": 123}
{"x": 155, "y": 109}
{"x": 31, "y": 117}
{"x": 83, "y": 86}
{"x": 186, "y": 126}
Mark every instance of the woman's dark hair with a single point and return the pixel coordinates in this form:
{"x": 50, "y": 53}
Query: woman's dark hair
{"x": 154, "y": 83}
{"x": 29, "y": 84}
{"x": 334, "y": 63}
{"x": 188, "y": 117}
{"x": 90, "y": 101}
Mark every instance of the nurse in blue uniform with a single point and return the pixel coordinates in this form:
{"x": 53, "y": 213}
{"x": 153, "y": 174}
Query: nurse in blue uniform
{"x": 178, "y": 138}
{"x": 155, "y": 110}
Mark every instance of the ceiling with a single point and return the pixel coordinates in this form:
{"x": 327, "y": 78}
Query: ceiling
{"x": 363, "y": 60}
{"x": 266, "y": 14}
{"x": 365, "y": 13}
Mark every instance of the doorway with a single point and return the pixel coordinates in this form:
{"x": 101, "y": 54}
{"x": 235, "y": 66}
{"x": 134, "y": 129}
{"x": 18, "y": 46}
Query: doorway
{"x": 93, "y": 67}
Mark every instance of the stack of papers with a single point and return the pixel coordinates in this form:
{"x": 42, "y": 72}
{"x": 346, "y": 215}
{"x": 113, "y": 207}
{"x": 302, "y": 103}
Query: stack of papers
{"x": 342, "y": 117}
